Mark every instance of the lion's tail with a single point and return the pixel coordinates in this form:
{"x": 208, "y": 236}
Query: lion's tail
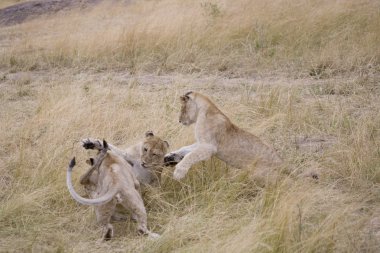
{"x": 93, "y": 202}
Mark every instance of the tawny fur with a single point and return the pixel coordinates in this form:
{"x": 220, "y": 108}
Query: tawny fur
{"x": 113, "y": 177}
{"x": 217, "y": 135}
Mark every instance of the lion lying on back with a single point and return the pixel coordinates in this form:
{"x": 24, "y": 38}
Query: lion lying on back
{"x": 110, "y": 181}
{"x": 216, "y": 135}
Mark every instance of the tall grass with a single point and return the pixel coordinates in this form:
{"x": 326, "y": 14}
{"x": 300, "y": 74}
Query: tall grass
{"x": 230, "y": 38}
{"x": 216, "y": 208}
{"x": 81, "y": 74}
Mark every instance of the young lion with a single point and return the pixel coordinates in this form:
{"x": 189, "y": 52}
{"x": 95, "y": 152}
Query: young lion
{"x": 146, "y": 157}
{"x": 114, "y": 183}
{"x": 216, "y": 135}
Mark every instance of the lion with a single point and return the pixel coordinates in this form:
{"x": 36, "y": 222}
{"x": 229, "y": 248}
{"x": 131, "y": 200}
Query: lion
{"x": 110, "y": 181}
{"x": 146, "y": 157}
{"x": 216, "y": 136}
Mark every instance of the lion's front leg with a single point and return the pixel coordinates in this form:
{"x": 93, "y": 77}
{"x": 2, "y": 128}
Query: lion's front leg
{"x": 175, "y": 157}
{"x": 88, "y": 177}
{"x": 97, "y": 144}
{"x": 91, "y": 143}
{"x": 200, "y": 153}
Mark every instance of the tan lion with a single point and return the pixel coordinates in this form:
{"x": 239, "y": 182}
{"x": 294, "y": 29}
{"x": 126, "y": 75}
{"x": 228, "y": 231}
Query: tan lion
{"x": 146, "y": 157}
{"x": 110, "y": 181}
{"x": 216, "y": 135}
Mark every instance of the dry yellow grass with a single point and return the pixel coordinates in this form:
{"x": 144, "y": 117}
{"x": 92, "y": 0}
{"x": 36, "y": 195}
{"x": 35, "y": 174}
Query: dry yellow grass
{"x": 85, "y": 76}
{"x": 230, "y": 38}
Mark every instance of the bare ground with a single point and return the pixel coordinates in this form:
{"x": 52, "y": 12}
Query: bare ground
{"x": 22, "y": 12}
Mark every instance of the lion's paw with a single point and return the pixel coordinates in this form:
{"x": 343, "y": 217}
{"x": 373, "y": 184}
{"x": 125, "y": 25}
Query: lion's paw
{"x": 172, "y": 159}
{"x": 92, "y": 144}
{"x": 153, "y": 235}
{"x": 179, "y": 173}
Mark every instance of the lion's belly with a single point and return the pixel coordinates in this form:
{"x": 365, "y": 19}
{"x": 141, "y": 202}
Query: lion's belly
{"x": 240, "y": 151}
{"x": 235, "y": 157}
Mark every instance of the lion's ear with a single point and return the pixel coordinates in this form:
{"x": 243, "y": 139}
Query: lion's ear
{"x": 166, "y": 144}
{"x": 105, "y": 144}
{"x": 90, "y": 161}
{"x": 187, "y": 96}
{"x": 184, "y": 98}
{"x": 149, "y": 134}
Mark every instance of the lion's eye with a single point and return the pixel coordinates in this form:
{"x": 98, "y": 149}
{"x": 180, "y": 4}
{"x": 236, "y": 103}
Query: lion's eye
{"x": 145, "y": 149}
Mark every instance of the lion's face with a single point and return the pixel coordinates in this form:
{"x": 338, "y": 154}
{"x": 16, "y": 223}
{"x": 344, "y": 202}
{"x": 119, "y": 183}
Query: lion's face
{"x": 153, "y": 151}
{"x": 188, "y": 113}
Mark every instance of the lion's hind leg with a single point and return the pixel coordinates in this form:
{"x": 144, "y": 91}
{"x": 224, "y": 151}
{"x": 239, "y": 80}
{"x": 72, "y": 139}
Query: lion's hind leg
{"x": 132, "y": 201}
{"x": 103, "y": 216}
{"x": 107, "y": 232}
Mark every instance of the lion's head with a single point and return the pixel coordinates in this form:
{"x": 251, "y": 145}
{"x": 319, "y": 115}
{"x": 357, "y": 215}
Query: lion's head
{"x": 188, "y": 113}
{"x": 153, "y": 150}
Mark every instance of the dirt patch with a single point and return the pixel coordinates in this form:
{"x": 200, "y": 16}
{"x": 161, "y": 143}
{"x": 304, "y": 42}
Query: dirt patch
{"x": 22, "y": 12}
{"x": 314, "y": 144}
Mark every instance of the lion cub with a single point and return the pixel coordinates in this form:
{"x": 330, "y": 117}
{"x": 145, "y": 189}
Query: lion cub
{"x": 110, "y": 181}
{"x": 216, "y": 135}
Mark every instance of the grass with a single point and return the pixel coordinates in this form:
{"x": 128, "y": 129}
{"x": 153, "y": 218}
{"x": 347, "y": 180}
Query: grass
{"x": 319, "y": 38}
{"x": 118, "y": 73}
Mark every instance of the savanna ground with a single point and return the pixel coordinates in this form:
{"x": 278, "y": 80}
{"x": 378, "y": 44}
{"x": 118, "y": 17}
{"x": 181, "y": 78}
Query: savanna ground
{"x": 302, "y": 75}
